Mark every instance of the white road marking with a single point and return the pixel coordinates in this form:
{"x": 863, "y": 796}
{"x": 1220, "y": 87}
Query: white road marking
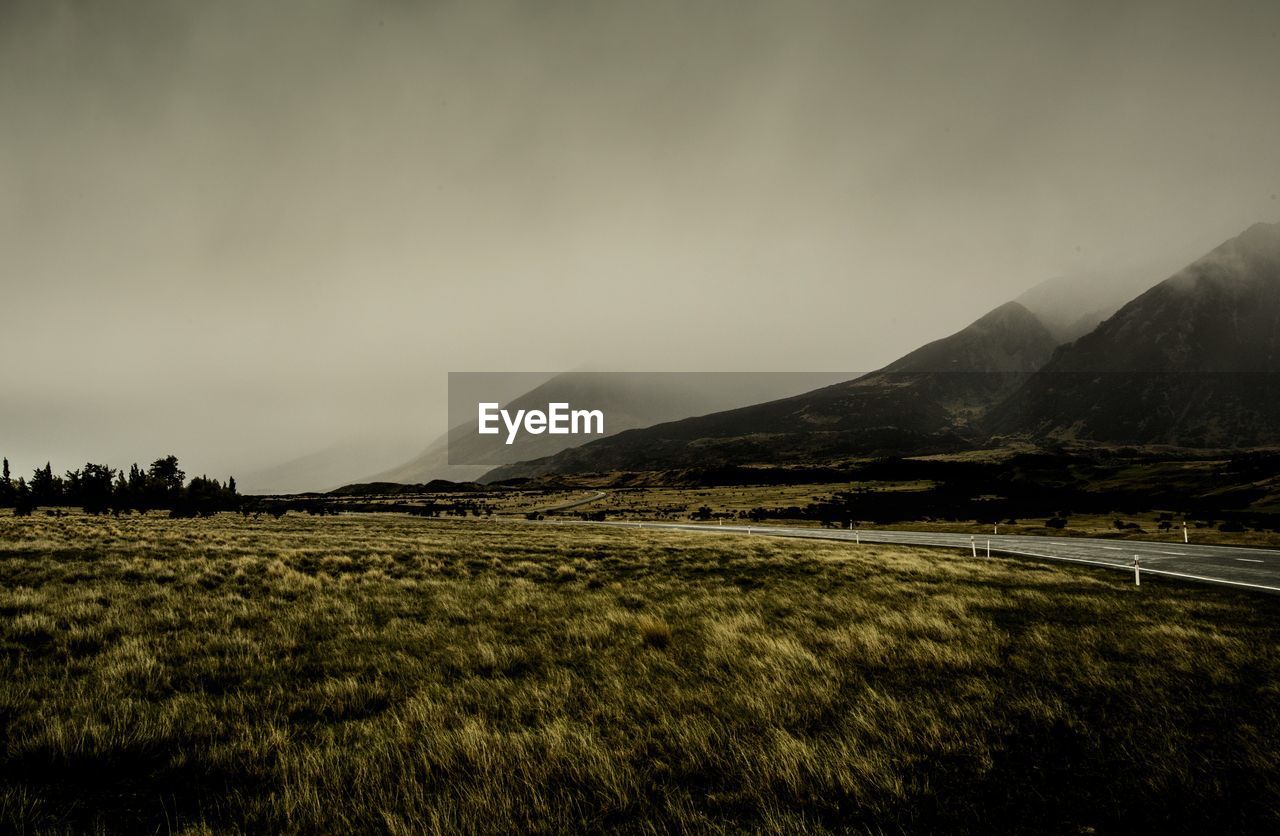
{"x": 1175, "y": 554}
{"x": 1213, "y": 580}
{"x": 1113, "y": 548}
{"x": 1248, "y": 560}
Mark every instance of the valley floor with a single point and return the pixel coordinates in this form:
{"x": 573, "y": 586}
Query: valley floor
{"x": 389, "y": 673}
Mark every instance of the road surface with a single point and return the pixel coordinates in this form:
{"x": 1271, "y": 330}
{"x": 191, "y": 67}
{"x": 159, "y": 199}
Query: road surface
{"x": 573, "y": 503}
{"x": 1236, "y": 566}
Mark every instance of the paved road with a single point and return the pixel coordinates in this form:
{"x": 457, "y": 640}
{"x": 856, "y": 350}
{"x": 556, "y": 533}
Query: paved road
{"x": 573, "y": 503}
{"x": 1237, "y": 566}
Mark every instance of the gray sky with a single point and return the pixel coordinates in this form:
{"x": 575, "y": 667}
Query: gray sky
{"x": 242, "y": 231}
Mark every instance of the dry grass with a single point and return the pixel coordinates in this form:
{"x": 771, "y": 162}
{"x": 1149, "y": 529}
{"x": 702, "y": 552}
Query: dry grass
{"x": 654, "y": 632}
{"x": 394, "y": 674}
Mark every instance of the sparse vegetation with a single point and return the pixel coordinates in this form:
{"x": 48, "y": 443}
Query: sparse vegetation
{"x": 388, "y": 673}
{"x": 1084, "y": 485}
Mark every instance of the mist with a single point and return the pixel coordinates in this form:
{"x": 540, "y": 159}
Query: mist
{"x": 242, "y": 232}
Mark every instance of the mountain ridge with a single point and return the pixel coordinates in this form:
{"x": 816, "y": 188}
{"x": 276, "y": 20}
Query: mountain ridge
{"x": 630, "y": 400}
{"x": 928, "y": 399}
{"x": 1193, "y": 361}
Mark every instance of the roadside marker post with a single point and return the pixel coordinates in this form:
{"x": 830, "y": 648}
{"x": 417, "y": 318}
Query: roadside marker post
{"x": 857, "y": 537}
{"x": 988, "y": 548}
{"x": 1186, "y": 537}
{"x": 1137, "y": 572}
{"x": 973, "y": 544}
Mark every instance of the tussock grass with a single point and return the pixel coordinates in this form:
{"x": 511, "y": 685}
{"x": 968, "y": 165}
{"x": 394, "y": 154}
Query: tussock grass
{"x": 397, "y": 674}
{"x": 654, "y": 632}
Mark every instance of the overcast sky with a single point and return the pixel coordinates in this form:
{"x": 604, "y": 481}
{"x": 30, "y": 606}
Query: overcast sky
{"x": 242, "y": 231}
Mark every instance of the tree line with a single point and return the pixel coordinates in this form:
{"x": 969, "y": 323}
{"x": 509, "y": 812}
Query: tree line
{"x": 100, "y": 489}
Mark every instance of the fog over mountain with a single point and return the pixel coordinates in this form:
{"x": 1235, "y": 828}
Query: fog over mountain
{"x": 1072, "y": 306}
{"x": 248, "y": 233}
{"x": 1194, "y": 361}
{"x": 932, "y": 400}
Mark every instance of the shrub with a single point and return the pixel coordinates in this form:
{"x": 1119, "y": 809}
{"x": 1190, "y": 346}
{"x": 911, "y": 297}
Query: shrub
{"x": 654, "y": 632}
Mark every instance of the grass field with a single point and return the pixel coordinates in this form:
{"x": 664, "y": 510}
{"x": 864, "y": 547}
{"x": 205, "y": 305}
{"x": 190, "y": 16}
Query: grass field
{"x": 386, "y": 673}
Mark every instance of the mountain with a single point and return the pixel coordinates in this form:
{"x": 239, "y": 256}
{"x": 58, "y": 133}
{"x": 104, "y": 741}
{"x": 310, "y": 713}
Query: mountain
{"x": 930, "y": 400}
{"x": 327, "y": 468}
{"x": 629, "y": 400}
{"x": 432, "y": 463}
{"x": 1192, "y": 362}
{"x": 1072, "y": 306}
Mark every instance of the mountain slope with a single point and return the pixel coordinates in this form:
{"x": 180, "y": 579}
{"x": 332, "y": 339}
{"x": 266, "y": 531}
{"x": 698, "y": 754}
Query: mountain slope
{"x": 628, "y": 399}
{"x": 1194, "y": 361}
{"x": 327, "y": 468}
{"x": 1072, "y": 306}
{"x": 927, "y": 401}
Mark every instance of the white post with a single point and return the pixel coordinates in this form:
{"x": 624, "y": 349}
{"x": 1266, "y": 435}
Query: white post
{"x": 1186, "y": 538}
{"x": 973, "y": 544}
{"x": 988, "y": 548}
{"x": 857, "y": 537}
{"x": 748, "y": 529}
{"x": 1137, "y": 572}
{"x": 995, "y": 529}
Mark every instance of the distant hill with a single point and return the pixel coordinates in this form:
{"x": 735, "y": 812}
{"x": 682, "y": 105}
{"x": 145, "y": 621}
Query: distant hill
{"x": 328, "y": 468}
{"x": 432, "y": 463}
{"x": 629, "y": 400}
{"x": 1192, "y": 362}
{"x": 930, "y": 400}
{"x": 398, "y": 489}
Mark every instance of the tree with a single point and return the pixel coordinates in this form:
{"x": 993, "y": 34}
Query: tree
{"x": 45, "y": 488}
{"x": 94, "y": 488}
{"x": 23, "y": 505}
{"x": 120, "y": 500}
{"x": 205, "y": 495}
{"x": 135, "y": 496}
{"x": 71, "y": 487}
{"x": 164, "y": 482}
{"x": 6, "y": 487}
{"x": 99, "y": 488}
